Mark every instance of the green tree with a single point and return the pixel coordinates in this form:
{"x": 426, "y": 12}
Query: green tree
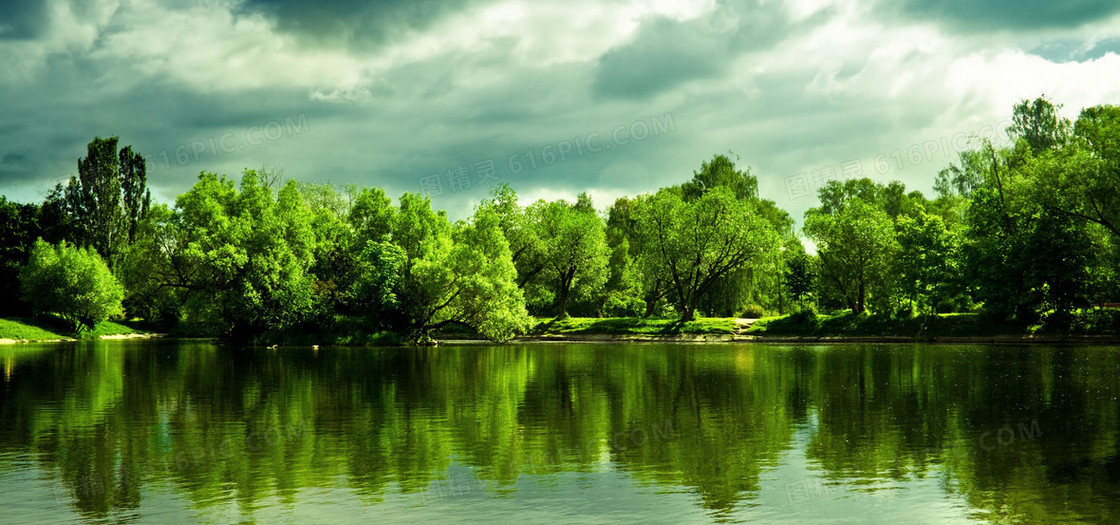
{"x": 1038, "y": 123}
{"x": 250, "y": 251}
{"x": 626, "y": 274}
{"x": 694, "y": 244}
{"x": 19, "y": 227}
{"x": 574, "y": 246}
{"x": 798, "y": 277}
{"x": 721, "y": 172}
{"x": 855, "y": 244}
{"x": 1083, "y": 179}
{"x": 155, "y": 276}
{"x": 74, "y": 283}
{"x": 525, "y": 245}
{"x": 461, "y": 274}
{"x": 103, "y": 205}
{"x": 927, "y": 263}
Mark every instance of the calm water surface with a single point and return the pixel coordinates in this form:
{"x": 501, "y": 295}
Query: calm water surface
{"x": 190, "y": 432}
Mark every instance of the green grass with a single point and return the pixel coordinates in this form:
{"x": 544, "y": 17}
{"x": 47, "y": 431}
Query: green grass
{"x": 632, "y": 326}
{"x": 108, "y": 328}
{"x": 850, "y": 325}
{"x": 47, "y": 328}
{"x": 21, "y": 329}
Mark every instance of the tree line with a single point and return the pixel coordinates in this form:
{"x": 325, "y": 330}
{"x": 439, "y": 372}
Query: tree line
{"x": 1024, "y": 232}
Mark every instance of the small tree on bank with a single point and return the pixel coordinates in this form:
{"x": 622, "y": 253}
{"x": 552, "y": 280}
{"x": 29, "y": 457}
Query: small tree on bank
{"x": 74, "y": 283}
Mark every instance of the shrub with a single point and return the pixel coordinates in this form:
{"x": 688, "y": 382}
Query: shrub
{"x": 806, "y": 318}
{"x": 72, "y": 282}
{"x": 1096, "y": 321}
{"x": 753, "y": 311}
{"x": 619, "y": 305}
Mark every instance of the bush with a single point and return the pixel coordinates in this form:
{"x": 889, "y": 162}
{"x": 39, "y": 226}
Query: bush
{"x": 619, "y": 305}
{"x": 753, "y": 311}
{"x": 1096, "y": 321}
{"x": 806, "y": 318}
{"x": 72, "y": 282}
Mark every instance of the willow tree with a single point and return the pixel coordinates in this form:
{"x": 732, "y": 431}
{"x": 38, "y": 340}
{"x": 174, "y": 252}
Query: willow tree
{"x": 457, "y": 274}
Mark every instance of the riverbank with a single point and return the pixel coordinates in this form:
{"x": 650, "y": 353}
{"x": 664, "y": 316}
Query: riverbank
{"x": 26, "y": 330}
{"x": 1102, "y": 327}
{"x": 1095, "y": 327}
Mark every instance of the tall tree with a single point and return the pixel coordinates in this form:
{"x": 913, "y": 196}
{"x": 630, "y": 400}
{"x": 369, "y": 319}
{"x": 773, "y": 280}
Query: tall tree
{"x": 103, "y": 205}
{"x": 721, "y": 172}
{"x": 520, "y": 231}
{"x": 927, "y": 264}
{"x": 626, "y": 271}
{"x": 250, "y": 251}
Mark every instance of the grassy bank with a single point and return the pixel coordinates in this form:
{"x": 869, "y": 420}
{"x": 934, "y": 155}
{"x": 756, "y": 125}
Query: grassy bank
{"x": 28, "y": 329}
{"x": 1090, "y": 323}
{"x": 633, "y": 326}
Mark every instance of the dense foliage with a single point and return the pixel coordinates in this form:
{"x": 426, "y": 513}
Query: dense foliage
{"x": 73, "y": 283}
{"x": 1026, "y": 231}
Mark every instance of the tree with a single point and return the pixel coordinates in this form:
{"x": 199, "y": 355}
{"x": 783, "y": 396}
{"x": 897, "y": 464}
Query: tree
{"x": 19, "y": 227}
{"x": 927, "y": 262}
{"x": 799, "y": 277}
{"x": 526, "y": 248}
{"x": 74, "y": 283}
{"x": 102, "y": 207}
{"x": 457, "y": 275}
{"x": 249, "y": 253}
{"x": 694, "y": 244}
{"x": 375, "y": 287}
{"x": 574, "y": 247}
{"x": 855, "y": 244}
{"x": 1039, "y": 124}
{"x": 372, "y": 215}
{"x": 1026, "y": 248}
{"x": 627, "y": 275}
{"x": 1083, "y": 179}
{"x": 155, "y": 276}
{"x": 721, "y": 172}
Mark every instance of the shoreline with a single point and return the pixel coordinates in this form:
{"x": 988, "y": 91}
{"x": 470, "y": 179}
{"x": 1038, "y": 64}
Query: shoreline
{"x": 6, "y": 341}
{"x": 735, "y": 338}
{"x": 1100, "y": 340}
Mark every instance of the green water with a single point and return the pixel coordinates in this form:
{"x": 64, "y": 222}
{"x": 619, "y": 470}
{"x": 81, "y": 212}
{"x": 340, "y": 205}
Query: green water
{"x": 167, "y": 432}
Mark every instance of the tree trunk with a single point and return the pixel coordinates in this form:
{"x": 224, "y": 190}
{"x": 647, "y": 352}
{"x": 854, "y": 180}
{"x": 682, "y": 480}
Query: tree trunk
{"x": 562, "y": 298}
{"x": 861, "y": 301}
{"x": 562, "y": 303}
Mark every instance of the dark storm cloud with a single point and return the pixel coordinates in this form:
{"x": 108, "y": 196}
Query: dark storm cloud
{"x": 358, "y": 22}
{"x": 666, "y": 53}
{"x": 990, "y": 15}
{"x": 22, "y": 19}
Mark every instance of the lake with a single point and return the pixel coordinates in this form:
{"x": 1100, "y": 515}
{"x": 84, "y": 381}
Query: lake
{"x": 173, "y": 431}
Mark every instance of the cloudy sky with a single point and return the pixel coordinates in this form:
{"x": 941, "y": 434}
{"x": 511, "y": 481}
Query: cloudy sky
{"x": 609, "y": 97}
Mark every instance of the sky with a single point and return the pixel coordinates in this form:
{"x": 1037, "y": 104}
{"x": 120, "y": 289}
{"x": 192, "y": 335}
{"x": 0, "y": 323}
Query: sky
{"x": 608, "y": 97}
